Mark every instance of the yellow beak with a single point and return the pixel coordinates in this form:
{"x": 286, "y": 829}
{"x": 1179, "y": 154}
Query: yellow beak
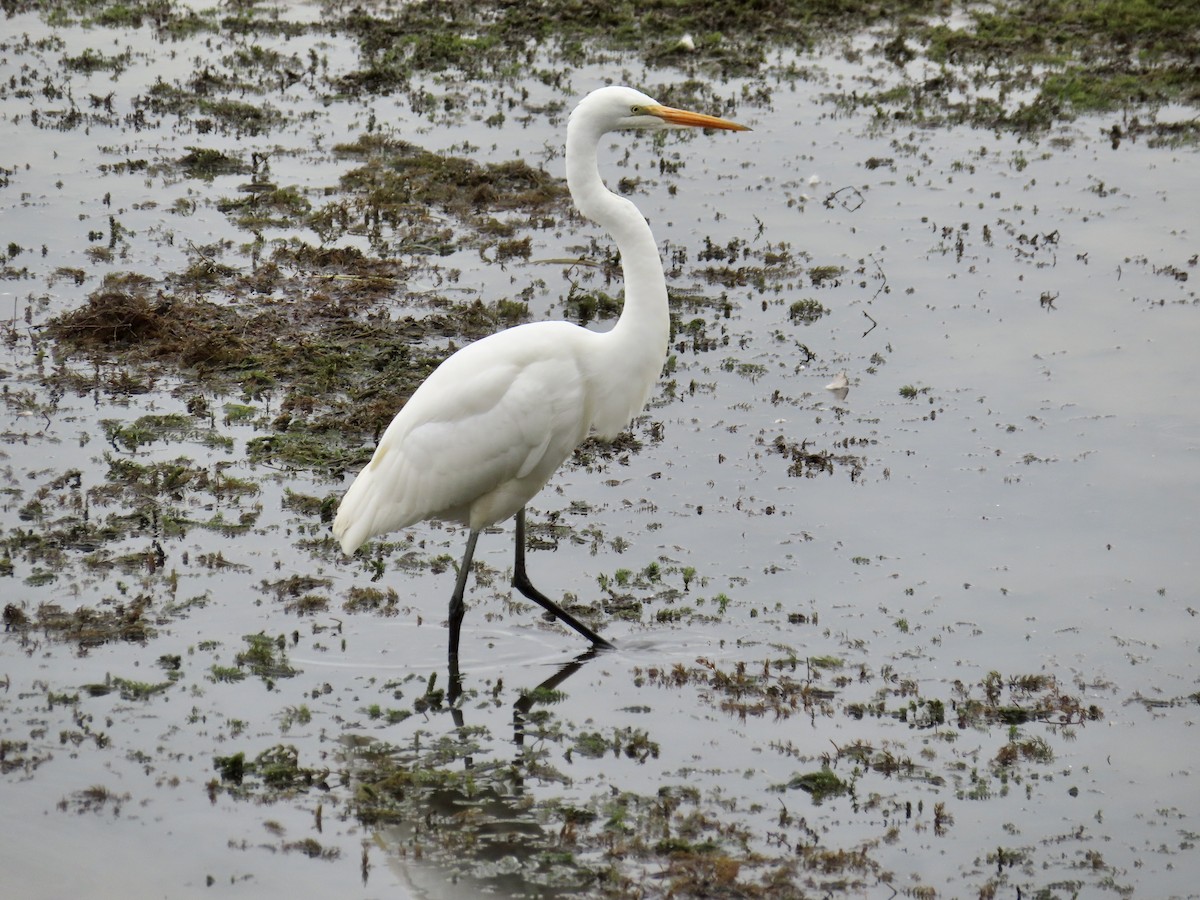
{"x": 684, "y": 118}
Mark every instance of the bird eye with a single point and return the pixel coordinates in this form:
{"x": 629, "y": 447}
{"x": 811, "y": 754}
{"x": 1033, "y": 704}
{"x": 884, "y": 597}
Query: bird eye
{"x": 637, "y": 110}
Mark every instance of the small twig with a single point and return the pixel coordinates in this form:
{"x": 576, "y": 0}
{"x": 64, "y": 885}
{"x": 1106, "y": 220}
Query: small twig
{"x": 884, "y": 288}
{"x": 873, "y": 323}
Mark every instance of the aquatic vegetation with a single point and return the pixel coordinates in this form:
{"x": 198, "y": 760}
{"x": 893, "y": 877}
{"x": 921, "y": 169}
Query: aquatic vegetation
{"x": 806, "y": 311}
{"x": 265, "y": 658}
{"x": 83, "y": 626}
{"x": 805, "y": 463}
{"x": 820, "y": 785}
{"x": 273, "y": 774}
{"x": 264, "y": 223}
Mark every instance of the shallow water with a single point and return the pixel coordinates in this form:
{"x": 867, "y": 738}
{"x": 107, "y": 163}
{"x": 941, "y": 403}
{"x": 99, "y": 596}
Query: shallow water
{"x": 1029, "y": 511}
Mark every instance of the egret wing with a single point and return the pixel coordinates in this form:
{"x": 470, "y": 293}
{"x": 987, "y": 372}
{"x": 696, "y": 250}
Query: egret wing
{"x": 483, "y": 432}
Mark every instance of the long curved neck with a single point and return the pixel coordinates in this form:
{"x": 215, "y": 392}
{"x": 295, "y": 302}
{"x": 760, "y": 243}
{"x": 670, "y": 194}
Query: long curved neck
{"x": 644, "y": 325}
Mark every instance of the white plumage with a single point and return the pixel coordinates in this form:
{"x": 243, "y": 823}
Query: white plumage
{"x": 482, "y": 435}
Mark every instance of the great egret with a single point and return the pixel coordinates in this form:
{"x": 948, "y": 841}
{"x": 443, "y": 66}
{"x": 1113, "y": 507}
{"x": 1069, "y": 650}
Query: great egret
{"x": 482, "y": 435}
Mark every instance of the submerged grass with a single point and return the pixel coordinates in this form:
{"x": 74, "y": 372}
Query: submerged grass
{"x": 83, "y": 626}
{"x": 312, "y": 346}
{"x": 308, "y": 328}
{"x": 1061, "y": 59}
{"x": 338, "y": 376}
{"x": 439, "y": 802}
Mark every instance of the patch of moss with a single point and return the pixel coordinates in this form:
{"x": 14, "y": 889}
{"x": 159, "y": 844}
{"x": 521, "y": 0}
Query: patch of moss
{"x": 397, "y": 179}
{"x": 821, "y": 785}
{"x": 274, "y": 774}
{"x": 264, "y": 656}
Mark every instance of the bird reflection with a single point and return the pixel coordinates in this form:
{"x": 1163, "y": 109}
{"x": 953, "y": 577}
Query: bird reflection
{"x": 451, "y": 832}
{"x": 529, "y": 699}
{"x": 525, "y": 702}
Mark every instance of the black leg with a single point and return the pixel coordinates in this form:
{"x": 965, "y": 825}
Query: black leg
{"x": 522, "y": 583}
{"x": 457, "y": 608}
{"x": 527, "y": 699}
{"x": 453, "y": 693}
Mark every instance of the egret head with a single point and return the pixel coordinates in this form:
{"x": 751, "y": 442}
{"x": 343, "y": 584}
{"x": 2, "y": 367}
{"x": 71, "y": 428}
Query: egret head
{"x": 616, "y": 108}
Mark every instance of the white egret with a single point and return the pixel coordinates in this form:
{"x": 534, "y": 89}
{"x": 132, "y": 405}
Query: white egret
{"x": 482, "y": 435}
